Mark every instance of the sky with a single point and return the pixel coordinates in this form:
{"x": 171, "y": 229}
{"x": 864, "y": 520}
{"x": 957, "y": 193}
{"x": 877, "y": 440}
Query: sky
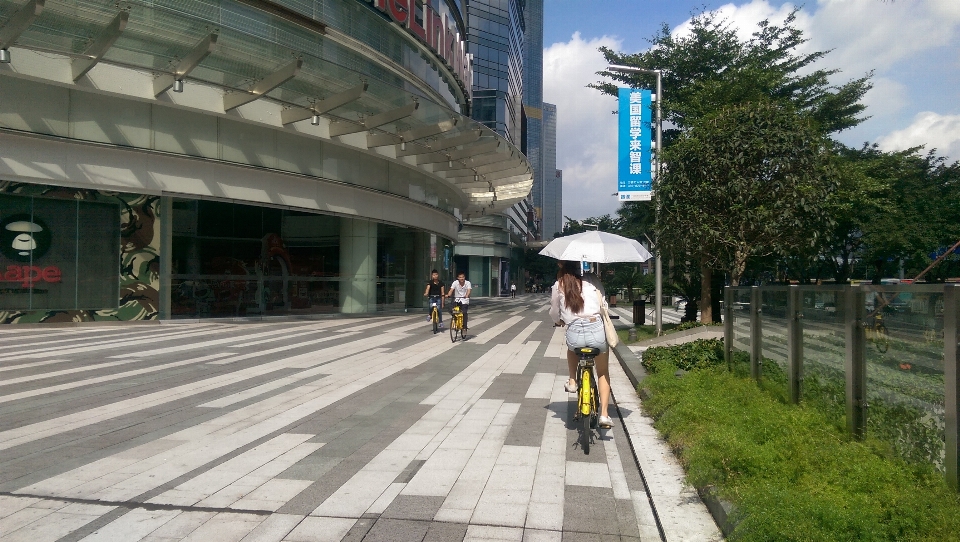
{"x": 912, "y": 46}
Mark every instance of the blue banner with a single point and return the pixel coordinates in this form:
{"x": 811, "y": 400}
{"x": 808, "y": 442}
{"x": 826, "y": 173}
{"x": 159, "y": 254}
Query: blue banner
{"x": 635, "y": 167}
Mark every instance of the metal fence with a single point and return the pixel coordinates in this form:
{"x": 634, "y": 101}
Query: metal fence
{"x": 882, "y": 358}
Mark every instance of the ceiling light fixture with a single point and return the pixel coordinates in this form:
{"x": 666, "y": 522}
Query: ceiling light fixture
{"x": 4, "y": 56}
{"x": 178, "y": 85}
{"x": 315, "y": 120}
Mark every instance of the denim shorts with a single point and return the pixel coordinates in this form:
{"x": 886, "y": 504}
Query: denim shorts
{"x": 583, "y": 333}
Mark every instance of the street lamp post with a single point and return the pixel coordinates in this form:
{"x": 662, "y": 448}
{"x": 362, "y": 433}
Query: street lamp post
{"x": 658, "y": 297}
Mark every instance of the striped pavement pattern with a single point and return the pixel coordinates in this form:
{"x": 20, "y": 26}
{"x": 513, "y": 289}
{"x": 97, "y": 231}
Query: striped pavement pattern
{"x": 323, "y": 430}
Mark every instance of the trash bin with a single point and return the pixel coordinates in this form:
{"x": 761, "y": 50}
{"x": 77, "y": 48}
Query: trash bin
{"x": 613, "y": 300}
{"x": 639, "y": 312}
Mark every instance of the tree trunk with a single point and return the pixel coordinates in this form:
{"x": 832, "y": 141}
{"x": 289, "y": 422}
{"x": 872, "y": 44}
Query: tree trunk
{"x": 706, "y": 294}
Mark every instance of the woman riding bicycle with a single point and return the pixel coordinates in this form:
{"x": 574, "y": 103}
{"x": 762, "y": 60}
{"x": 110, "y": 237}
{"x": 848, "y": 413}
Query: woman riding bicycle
{"x": 575, "y": 302}
{"x": 434, "y": 294}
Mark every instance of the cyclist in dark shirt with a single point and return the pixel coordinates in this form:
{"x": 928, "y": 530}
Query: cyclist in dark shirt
{"x": 434, "y": 294}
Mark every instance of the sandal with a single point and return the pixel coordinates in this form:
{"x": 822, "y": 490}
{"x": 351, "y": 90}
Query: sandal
{"x": 570, "y": 388}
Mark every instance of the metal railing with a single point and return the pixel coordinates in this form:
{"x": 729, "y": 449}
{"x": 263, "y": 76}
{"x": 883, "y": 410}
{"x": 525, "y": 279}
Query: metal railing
{"x": 881, "y": 358}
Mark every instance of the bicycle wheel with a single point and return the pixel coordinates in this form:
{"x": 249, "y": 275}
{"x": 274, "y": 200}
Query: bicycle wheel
{"x": 454, "y": 329}
{"x": 584, "y": 407}
{"x": 882, "y": 339}
{"x": 585, "y": 433}
{"x": 435, "y": 317}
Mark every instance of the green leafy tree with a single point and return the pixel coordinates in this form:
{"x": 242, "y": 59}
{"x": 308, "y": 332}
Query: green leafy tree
{"x": 710, "y": 70}
{"x": 748, "y": 181}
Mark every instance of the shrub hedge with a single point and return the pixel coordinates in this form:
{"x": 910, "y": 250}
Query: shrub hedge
{"x": 791, "y": 473}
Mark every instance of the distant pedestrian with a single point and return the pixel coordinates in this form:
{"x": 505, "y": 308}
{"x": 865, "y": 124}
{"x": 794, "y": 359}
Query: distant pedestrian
{"x": 513, "y": 290}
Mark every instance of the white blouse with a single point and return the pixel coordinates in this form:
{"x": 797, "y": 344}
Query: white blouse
{"x": 591, "y": 301}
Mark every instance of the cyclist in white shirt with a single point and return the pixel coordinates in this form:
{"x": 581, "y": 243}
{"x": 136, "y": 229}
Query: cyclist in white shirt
{"x": 460, "y": 292}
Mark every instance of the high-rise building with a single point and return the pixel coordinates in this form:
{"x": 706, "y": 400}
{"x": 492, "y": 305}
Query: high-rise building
{"x": 491, "y": 242}
{"x": 495, "y": 39}
{"x": 532, "y": 144}
{"x": 553, "y": 206}
{"x": 550, "y": 193}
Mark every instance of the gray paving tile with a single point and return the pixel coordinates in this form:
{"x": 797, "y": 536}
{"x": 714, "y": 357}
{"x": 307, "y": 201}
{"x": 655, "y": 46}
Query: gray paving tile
{"x": 354, "y": 429}
{"x": 445, "y": 532}
{"x": 413, "y": 507}
{"x": 397, "y": 530}
{"x": 359, "y": 531}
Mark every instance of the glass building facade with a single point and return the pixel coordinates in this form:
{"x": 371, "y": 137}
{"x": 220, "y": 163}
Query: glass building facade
{"x": 495, "y": 34}
{"x": 533, "y": 106}
{"x": 228, "y": 158}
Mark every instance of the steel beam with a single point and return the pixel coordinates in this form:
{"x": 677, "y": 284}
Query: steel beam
{"x": 475, "y": 161}
{"x": 186, "y": 65}
{"x": 379, "y": 140}
{"x": 100, "y": 45}
{"x": 493, "y": 167}
{"x": 855, "y": 367}
{"x": 296, "y": 114}
{"x": 951, "y": 379}
{"x": 728, "y": 326}
{"x": 234, "y": 100}
{"x": 488, "y": 177}
{"x": 393, "y": 115}
{"x": 445, "y": 143}
{"x": 20, "y": 22}
{"x": 794, "y": 342}
{"x": 756, "y": 340}
{"x": 476, "y": 149}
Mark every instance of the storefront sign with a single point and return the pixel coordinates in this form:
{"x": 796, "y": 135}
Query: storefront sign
{"x": 635, "y": 171}
{"x": 58, "y": 254}
{"x": 27, "y": 275}
{"x": 437, "y": 32}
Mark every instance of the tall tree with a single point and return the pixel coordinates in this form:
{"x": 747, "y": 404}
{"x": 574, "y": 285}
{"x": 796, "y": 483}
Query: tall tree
{"x": 748, "y": 181}
{"x": 711, "y": 69}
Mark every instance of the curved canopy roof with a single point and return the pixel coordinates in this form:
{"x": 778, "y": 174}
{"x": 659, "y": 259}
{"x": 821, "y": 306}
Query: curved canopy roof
{"x": 252, "y": 54}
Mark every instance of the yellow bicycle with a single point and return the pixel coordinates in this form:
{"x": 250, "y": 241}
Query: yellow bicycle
{"x": 435, "y": 316}
{"x": 456, "y": 323}
{"x": 588, "y": 401}
{"x": 877, "y": 333}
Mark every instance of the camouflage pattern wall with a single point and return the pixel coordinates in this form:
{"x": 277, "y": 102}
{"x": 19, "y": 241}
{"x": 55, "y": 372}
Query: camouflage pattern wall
{"x": 139, "y": 260}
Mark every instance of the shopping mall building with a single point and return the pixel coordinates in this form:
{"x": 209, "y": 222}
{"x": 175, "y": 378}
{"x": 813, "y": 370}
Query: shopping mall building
{"x": 237, "y": 158}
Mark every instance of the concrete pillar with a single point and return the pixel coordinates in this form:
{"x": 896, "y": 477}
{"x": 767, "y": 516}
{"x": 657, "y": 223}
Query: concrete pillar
{"x": 358, "y": 266}
{"x": 166, "y": 255}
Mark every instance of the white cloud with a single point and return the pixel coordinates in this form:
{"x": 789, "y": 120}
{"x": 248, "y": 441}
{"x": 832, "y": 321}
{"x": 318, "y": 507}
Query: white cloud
{"x": 586, "y": 130}
{"x": 934, "y": 131}
{"x": 910, "y": 44}
{"x": 886, "y": 98}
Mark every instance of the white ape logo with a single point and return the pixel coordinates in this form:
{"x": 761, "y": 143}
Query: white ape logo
{"x": 24, "y": 238}
{"x": 24, "y": 242}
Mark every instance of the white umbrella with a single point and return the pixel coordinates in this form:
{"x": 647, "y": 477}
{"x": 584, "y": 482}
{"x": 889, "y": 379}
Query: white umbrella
{"x": 596, "y": 246}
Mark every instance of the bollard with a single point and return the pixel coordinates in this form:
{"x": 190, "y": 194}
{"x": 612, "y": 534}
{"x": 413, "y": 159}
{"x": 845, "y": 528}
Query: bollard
{"x": 632, "y": 334}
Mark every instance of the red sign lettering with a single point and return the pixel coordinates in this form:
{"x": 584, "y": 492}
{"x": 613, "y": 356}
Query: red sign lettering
{"x": 26, "y": 275}
{"x": 436, "y": 32}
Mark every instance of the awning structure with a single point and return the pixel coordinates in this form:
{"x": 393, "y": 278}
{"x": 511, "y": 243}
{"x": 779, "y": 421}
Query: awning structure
{"x": 246, "y": 55}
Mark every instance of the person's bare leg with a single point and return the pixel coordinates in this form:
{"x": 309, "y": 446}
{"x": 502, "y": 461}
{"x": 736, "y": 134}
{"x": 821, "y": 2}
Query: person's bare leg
{"x": 572, "y": 365}
{"x": 603, "y": 380}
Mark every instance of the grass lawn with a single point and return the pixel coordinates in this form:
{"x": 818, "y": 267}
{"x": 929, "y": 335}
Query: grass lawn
{"x": 791, "y": 473}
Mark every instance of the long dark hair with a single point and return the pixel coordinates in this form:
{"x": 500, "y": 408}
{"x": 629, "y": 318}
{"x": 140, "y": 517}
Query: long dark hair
{"x": 570, "y": 285}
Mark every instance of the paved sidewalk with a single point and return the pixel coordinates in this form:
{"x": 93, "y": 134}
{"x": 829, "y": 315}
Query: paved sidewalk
{"x": 369, "y": 429}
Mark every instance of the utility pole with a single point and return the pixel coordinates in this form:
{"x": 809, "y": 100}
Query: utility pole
{"x": 658, "y": 258}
